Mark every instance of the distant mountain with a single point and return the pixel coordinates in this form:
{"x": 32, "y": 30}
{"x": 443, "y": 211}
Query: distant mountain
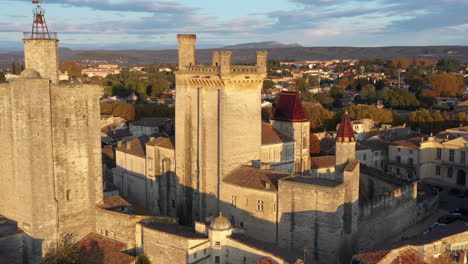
{"x": 247, "y": 55}
{"x": 263, "y": 45}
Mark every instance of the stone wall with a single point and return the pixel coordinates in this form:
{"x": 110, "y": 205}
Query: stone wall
{"x": 42, "y": 55}
{"x": 311, "y": 218}
{"x": 261, "y": 225}
{"x": 386, "y": 216}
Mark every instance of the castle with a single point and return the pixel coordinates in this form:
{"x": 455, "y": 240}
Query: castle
{"x": 223, "y": 160}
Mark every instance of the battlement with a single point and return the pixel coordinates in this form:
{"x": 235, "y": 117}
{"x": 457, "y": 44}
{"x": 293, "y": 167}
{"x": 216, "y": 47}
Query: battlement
{"x": 221, "y": 62}
{"x": 390, "y": 199}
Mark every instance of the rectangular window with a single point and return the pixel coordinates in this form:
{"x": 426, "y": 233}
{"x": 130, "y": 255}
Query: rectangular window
{"x": 438, "y": 170}
{"x": 217, "y": 243}
{"x": 451, "y": 155}
{"x": 381, "y": 163}
{"x": 364, "y": 157}
{"x": 399, "y": 149}
{"x": 69, "y": 195}
{"x": 194, "y": 255}
{"x": 410, "y": 161}
{"x": 260, "y": 205}
{"x": 173, "y": 203}
{"x": 439, "y": 154}
{"x": 150, "y": 164}
{"x": 462, "y": 157}
{"x": 217, "y": 259}
{"x": 449, "y": 172}
{"x": 375, "y": 163}
{"x": 274, "y": 206}
{"x": 398, "y": 159}
{"x": 204, "y": 251}
{"x": 234, "y": 200}
{"x": 376, "y": 153}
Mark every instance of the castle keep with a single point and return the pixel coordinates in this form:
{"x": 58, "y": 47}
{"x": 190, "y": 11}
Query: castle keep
{"x": 276, "y": 201}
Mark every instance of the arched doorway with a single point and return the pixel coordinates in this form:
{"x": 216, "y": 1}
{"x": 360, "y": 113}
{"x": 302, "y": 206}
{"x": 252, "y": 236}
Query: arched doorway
{"x": 461, "y": 177}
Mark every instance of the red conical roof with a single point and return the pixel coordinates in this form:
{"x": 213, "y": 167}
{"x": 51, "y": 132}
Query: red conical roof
{"x": 289, "y": 108}
{"x": 346, "y": 132}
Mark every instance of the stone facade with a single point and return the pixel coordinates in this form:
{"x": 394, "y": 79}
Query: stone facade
{"x": 51, "y": 161}
{"x": 215, "y": 107}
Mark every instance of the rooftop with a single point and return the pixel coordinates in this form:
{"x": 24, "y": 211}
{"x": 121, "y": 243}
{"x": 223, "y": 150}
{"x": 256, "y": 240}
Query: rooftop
{"x": 163, "y": 142}
{"x": 322, "y": 162}
{"x": 313, "y": 181}
{"x": 97, "y": 249}
{"x": 133, "y": 147}
{"x": 346, "y": 132}
{"x": 271, "y": 135}
{"x": 251, "y": 177}
{"x": 181, "y": 231}
{"x": 289, "y": 108}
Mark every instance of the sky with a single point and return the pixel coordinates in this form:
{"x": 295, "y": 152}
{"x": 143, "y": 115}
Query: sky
{"x": 153, "y": 24}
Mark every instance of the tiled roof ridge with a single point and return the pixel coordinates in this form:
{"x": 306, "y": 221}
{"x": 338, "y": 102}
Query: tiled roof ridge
{"x": 289, "y": 108}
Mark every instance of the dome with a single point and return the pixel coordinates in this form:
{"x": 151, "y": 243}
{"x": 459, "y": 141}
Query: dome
{"x": 221, "y": 223}
{"x": 30, "y": 74}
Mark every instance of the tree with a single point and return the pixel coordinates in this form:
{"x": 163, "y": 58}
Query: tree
{"x": 324, "y": 99}
{"x": 62, "y": 252}
{"x": 302, "y": 85}
{"x": 399, "y": 98}
{"x": 402, "y": 63}
{"x": 73, "y": 69}
{"x": 368, "y": 93}
{"x": 448, "y": 65}
{"x": 345, "y": 83}
{"x": 143, "y": 259}
{"x": 267, "y": 84}
{"x": 266, "y": 113}
{"x": 159, "y": 86}
{"x": 446, "y": 84}
{"x": 380, "y": 116}
{"x": 415, "y": 85}
{"x": 320, "y": 118}
{"x": 2, "y": 77}
{"x": 337, "y": 92}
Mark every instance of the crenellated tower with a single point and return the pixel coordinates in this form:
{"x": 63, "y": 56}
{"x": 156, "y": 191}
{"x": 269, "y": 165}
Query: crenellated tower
{"x": 218, "y": 124}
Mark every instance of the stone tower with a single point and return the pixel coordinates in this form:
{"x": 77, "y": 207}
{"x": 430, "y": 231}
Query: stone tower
{"x": 290, "y": 118}
{"x": 345, "y": 143}
{"x": 218, "y": 125}
{"x": 50, "y": 174}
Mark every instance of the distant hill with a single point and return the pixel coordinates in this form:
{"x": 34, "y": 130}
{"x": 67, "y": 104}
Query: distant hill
{"x": 247, "y": 55}
{"x": 263, "y": 45}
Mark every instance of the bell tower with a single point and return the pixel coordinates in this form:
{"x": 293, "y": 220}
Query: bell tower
{"x": 41, "y": 47}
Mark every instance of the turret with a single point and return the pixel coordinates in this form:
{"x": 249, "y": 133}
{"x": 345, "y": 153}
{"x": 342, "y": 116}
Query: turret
{"x": 345, "y": 143}
{"x": 290, "y": 118}
{"x": 225, "y": 58}
{"x": 262, "y": 57}
{"x": 186, "y": 50}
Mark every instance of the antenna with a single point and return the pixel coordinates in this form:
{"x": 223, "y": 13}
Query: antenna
{"x": 39, "y": 27}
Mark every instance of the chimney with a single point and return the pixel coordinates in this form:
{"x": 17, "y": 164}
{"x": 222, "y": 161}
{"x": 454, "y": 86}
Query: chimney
{"x": 152, "y": 138}
{"x": 119, "y": 144}
{"x": 225, "y": 61}
{"x": 186, "y": 50}
{"x": 262, "y": 59}
{"x": 216, "y": 58}
{"x": 128, "y": 145}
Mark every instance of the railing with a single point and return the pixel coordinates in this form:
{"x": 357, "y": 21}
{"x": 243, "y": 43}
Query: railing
{"x": 203, "y": 69}
{"x": 244, "y": 69}
{"x": 34, "y": 35}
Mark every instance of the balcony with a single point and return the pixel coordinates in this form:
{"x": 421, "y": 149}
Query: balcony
{"x": 34, "y": 35}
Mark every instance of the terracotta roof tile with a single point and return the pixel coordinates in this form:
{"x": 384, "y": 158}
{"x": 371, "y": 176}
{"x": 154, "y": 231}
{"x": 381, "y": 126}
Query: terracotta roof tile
{"x": 97, "y": 249}
{"x": 352, "y": 164}
{"x": 133, "y": 147}
{"x": 271, "y": 135}
{"x": 163, "y": 142}
{"x": 289, "y": 108}
{"x": 251, "y": 177}
{"x": 346, "y": 132}
{"x": 322, "y": 162}
{"x": 371, "y": 258}
{"x": 114, "y": 201}
{"x": 413, "y": 143}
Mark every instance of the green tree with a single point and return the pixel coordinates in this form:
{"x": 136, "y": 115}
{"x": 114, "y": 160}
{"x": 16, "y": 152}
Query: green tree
{"x": 62, "y": 252}
{"x": 337, "y": 92}
{"x": 324, "y": 100}
{"x": 380, "y": 116}
{"x": 159, "y": 86}
{"x": 2, "y": 77}
{"x": 399, "y": 98}
{"x": 368, "y": 93}
{"x": 143, "y": 259}
{"x": 267, "y": 84}
{"x": 448, "y": 65}
{"x": 415, "y": 85}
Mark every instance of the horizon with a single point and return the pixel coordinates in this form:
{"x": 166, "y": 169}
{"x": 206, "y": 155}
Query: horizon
{"x": 152, "y": 25}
